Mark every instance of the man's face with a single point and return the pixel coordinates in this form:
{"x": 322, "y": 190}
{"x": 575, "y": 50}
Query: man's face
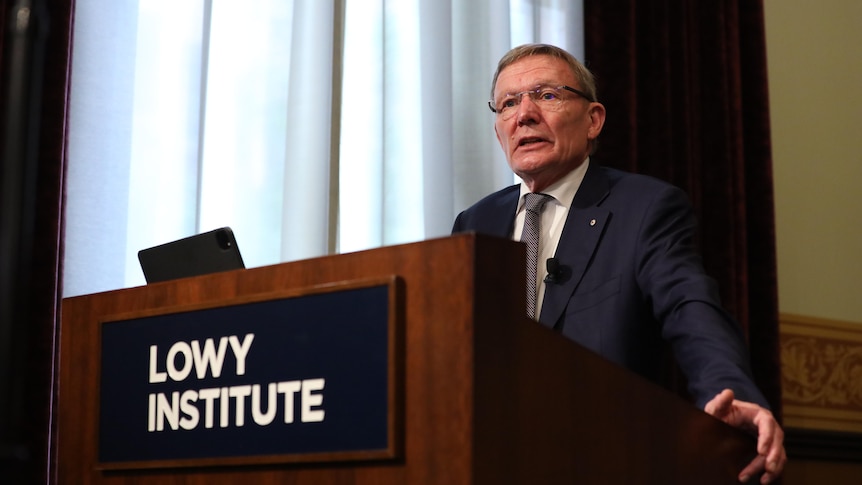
{"x": 542, "y": 145}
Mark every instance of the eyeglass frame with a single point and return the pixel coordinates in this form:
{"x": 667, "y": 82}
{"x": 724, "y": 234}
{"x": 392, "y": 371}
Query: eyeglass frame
{"x": 537, "y": 90}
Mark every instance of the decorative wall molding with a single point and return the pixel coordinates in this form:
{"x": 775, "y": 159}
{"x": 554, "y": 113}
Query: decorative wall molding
{"x": 821, "y": 373}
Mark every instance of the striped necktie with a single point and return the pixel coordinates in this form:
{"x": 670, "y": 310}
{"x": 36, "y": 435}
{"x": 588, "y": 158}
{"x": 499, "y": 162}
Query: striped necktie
{"x": 533, "y": 203}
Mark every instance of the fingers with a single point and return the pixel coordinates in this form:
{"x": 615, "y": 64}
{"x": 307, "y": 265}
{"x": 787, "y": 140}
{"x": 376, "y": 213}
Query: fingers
{"x": 767, "y": 429}
{"x": 721, "y": 404}
{"x": 773, "y": 469}
{"x": 771, "y": 456}
{"x": 770, "y": 441}
{"x": 768, "y": 478}
{"x": 756, "y": 466}
{"x": 770, "y": 448}
{"x": 776, "y": 457}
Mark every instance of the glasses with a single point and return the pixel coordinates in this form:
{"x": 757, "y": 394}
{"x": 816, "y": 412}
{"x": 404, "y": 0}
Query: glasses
{"x": 548, "y": 98}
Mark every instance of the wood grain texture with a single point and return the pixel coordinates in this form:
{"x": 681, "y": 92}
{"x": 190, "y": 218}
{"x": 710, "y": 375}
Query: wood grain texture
{"x": 489, "y": 396}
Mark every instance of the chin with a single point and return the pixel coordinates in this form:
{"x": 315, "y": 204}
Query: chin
{"x": 525, "y": 167}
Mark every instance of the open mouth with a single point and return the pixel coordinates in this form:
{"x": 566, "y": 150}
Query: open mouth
{"x": 529, "y": 141}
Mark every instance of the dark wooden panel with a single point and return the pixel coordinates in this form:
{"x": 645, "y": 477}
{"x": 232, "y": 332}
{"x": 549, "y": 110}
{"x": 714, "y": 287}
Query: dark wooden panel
{"x": 489, "y": 396}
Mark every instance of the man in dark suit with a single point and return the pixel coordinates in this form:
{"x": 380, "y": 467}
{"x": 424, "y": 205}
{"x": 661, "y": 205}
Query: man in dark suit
{"x": 625, "y": 275}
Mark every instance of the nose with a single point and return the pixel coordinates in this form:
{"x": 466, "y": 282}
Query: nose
{"x": 527, "y": 110}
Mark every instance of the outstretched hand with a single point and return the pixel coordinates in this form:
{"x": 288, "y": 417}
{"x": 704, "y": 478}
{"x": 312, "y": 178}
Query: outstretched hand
{"x": 771, "y": 456}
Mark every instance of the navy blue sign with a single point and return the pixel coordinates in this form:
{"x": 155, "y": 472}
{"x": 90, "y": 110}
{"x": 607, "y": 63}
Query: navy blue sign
{"x": 300, "y": 375}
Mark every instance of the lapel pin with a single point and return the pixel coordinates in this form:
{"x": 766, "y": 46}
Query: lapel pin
{"x": 592, "y": 222}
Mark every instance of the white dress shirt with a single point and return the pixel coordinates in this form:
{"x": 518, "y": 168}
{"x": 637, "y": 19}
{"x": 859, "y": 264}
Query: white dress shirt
{"x": 553, "y": 219}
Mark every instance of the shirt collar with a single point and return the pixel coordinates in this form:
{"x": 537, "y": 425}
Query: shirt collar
{"x": 563, "y": 190}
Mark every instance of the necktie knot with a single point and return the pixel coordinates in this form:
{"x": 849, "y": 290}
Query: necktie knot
{"x": 534, "y": 202}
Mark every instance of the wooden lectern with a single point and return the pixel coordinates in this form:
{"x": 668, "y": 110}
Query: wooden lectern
{"x": 480, "y": 395}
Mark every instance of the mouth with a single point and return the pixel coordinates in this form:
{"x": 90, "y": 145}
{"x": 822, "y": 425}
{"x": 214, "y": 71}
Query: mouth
{"x": 530, "y": 140}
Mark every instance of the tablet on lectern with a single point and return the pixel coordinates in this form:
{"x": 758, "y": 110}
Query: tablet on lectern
{"x": 205, "y": 253}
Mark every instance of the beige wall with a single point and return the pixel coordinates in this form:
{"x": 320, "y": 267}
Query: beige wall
{"x": 814, "y": 51}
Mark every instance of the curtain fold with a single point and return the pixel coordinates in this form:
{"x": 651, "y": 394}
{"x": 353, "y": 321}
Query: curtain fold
{"x": 685, "y": 87}
{"x": 310, "y": 127}
{"x": 308, "y": 161}
{"x": 34, "y": 56}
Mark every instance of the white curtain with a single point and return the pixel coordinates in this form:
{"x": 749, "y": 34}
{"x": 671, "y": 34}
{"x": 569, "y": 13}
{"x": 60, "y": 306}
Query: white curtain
{"x": 308, "y": 126}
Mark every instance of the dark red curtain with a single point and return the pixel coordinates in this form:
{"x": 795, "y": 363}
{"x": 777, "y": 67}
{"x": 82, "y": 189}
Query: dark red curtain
{"x": 34, "y": 78}
{"x": 685, "y": 86}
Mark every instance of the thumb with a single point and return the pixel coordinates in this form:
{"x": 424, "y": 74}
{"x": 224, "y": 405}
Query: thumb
{"x": 721, "y": 404}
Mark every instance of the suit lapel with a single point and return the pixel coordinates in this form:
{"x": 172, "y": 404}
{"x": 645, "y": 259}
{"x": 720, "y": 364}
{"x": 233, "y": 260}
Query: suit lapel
{"x": 501, "y": 220}
{"x": 584, "y": 227}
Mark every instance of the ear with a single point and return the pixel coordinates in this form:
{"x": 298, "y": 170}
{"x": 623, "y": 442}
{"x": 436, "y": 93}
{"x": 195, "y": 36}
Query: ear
{"x": 597, "y": 120}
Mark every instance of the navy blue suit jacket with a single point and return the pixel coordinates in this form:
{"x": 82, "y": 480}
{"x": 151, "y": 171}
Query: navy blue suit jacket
{"x": 632, "y": 281}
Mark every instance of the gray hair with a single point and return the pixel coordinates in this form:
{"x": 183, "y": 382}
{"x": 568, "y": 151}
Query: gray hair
{"x": 583, "y": 75}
